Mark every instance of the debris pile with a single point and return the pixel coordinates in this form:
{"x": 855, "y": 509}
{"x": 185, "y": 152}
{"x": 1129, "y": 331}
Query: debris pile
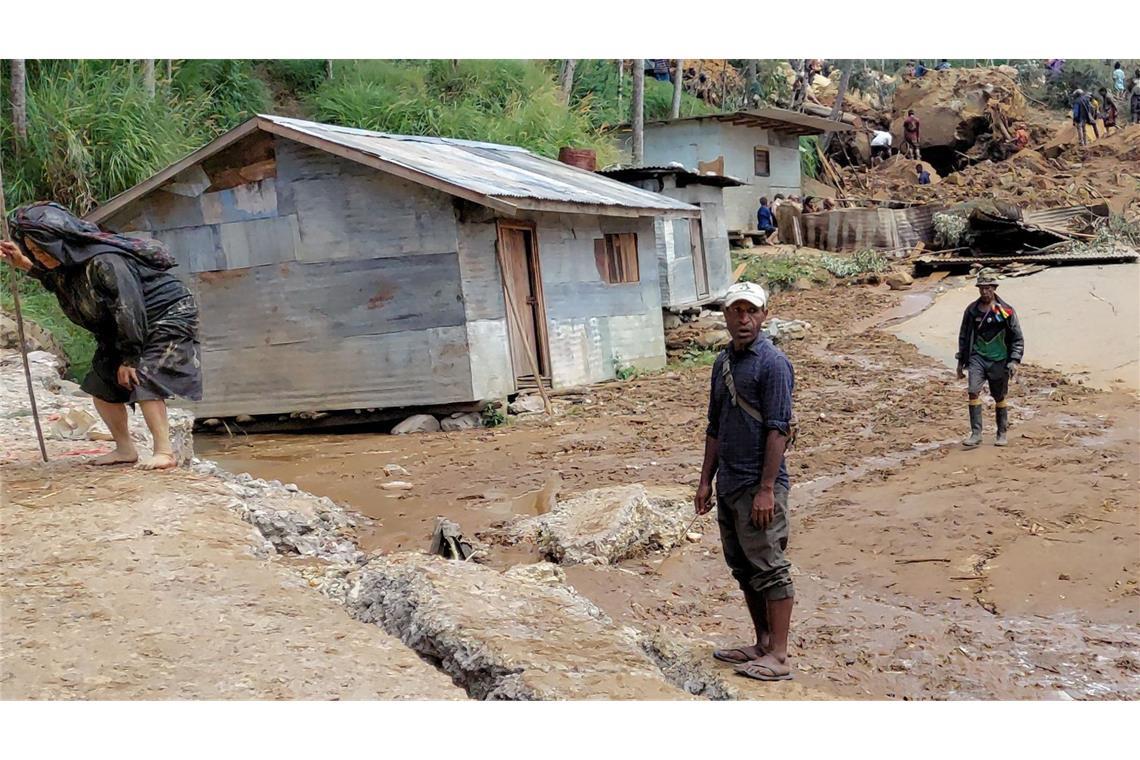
{"x": 607, "y": 525}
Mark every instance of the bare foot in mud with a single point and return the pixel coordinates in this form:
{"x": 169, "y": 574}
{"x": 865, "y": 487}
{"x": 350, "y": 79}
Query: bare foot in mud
{"x": 157, "y": 462}
{"x": 118, "y": 456}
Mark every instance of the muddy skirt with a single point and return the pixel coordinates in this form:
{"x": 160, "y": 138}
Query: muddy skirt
{"x": 170, "y": 364}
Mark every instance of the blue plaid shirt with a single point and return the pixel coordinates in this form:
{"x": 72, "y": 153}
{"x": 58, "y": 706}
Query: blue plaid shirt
{"x": 764, "y": 378}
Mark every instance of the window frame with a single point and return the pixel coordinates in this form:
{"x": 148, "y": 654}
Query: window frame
{"x": 757, "y": 151}
{"x": 616, "y": 256}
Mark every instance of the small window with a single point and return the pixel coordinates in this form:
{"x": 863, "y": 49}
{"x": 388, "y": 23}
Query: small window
{"x": 760, "y": 159}
{"x": 616, "y": 257}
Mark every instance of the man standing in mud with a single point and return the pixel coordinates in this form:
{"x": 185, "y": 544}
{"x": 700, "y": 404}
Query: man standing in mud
{"x": 990, "y": 347}
{"x": 749, "y": 424}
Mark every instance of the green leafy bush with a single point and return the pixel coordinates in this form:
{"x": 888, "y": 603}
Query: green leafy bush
{"x": 861, "y": 262}
{"x": 780, "y": 271}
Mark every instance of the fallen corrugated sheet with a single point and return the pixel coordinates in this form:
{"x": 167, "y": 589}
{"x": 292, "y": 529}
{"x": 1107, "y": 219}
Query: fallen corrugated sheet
{"x": 1120, "y": 255}
{"x": 854, "y": 229}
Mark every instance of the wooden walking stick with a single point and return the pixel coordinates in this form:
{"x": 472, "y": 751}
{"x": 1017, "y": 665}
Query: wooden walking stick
{"x": 15, "y": 287}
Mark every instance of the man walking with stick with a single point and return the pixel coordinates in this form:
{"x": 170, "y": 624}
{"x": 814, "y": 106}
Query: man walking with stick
{"x": 750, "y": 424}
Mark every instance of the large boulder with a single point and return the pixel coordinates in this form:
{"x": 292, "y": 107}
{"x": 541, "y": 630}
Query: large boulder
{"x": 504, "y": 635}
{"x": 607, "y": 525}
{"x": 417, "y": 423}
{"x": 954, "y": 105}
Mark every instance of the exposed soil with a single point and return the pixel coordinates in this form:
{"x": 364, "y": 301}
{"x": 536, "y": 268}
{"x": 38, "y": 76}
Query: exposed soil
{"x": 923, "y": 570}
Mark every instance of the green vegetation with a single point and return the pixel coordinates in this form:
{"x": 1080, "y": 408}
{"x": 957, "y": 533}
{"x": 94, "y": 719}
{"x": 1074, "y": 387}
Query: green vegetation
{"x": 810, "y": 165}
{"x": 40, "y": 306}
{"x": 493, "y": 415}
{"x": 696, "y": 356}
{"x": 780, "y": 271}
{"x": 862, "y": 262}
{"x": 623, "y": 370}
{"x": 513, "y": 102}
{"x": 596, "y": 94}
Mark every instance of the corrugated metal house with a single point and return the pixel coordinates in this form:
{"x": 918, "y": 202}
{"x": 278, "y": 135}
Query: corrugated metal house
{"x": 339, "y": 268}
{"x": 761, "y": 147}
{"x": 694, "y": 263}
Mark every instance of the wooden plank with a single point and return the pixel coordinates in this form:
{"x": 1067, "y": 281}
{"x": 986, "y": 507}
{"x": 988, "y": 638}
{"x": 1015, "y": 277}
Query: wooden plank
{"x": 346, "y": 210}
{"x": 329, "y": 301}
{"x": 411, "y": 368}
{"x": 197, "y": 249}
{"x": 127, "y": 196}
{"x": 253, "y": 200}
{"x": 260, "y": 241}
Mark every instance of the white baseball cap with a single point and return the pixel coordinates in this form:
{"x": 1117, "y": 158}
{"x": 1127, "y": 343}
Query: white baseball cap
{"x": 746, "y": 291}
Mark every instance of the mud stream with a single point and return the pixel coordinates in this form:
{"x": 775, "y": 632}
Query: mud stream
{"x": 923, "y": 571}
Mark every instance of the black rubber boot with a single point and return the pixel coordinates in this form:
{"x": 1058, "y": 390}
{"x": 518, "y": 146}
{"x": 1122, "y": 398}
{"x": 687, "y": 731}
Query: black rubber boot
{"x": 1002, "y": 426}
{"x": 975, "y": 427}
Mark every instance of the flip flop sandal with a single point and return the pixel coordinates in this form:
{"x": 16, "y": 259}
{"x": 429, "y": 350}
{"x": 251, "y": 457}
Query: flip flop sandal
{"x": 762, "y": 672}
{"x": 733, "y": 656}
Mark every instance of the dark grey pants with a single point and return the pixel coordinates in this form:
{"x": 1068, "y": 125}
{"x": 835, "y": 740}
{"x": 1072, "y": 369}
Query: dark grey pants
{"x": 984, "y": 370}
{"x": 756, "y": 557}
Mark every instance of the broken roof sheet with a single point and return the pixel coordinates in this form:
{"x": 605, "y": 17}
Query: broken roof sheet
{"x": 684, "y": 176}
{"x": 504, "y": 177}
{"x": 776, "y": 119}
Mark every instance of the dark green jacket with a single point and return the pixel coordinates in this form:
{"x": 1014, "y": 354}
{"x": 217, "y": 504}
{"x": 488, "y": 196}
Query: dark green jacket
{"x": 978, "y": 321}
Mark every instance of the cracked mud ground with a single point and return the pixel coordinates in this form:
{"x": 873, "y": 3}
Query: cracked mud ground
{"x": 1026, "y": 588}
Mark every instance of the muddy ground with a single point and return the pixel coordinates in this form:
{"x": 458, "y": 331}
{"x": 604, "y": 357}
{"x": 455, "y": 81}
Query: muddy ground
{"x": 923, "y": 571}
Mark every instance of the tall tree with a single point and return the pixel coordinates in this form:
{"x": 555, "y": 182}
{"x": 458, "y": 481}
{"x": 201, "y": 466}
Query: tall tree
{"x": 568, "y": 67}
{"x": 638, "y": 111}
{"x": 328, "y": 68}
{"x": 148, "y": 76}
{"x": 19, "y": 102}
{"x": 678, "y": 85}
{"x": 751, "y": 83}
{"x": 837, "y": 109}
{"x": 169, "y": 70}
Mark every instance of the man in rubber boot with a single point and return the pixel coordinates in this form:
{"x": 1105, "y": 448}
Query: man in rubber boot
{"x": 750, "y": 423}
{"x": 990, "y": 346}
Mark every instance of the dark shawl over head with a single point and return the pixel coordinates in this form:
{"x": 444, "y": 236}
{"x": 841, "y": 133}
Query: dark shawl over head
{"x": 72, "y": 241}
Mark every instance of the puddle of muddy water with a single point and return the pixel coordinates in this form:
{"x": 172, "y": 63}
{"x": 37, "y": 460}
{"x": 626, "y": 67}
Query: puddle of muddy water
{"x": 350, "y": 469}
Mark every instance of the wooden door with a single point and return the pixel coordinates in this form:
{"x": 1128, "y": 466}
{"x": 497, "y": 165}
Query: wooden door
{"x": 522, "y": 287}
{"x": 700, "y": 266}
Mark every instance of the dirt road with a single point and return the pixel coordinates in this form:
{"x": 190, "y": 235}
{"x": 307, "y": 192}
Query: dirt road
{"x": 924, "y": 571}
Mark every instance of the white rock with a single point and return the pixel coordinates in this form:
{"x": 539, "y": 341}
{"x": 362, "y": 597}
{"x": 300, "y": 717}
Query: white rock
{"x": 526, "y": 404}
{"x": 243, "y": 419}
{"x": 694, "y": 536}
{"x": 417, "y": 423}
{"x": 397, "y": 485}
{"x": 391, "y": 470}
{"x": 462, "y": 422}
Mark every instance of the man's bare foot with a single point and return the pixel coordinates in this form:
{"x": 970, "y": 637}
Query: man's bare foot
{"x": 118, "y": 456}
{"x": 157, "y": 462}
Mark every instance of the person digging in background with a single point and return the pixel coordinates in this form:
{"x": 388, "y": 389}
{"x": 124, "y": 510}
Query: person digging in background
{"x": 144, "y": 320}
{"x": 922, "y": 174}
{"x": 1083, "y": 115}
{"x": 911, "y": 128}
{"x": 1118, "y": 79}
{"x": 990, "y": 347}
{"x": 1135, "y": 98}
{"x": 1107, "y": 110}
{"x": 750, "y": 423}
